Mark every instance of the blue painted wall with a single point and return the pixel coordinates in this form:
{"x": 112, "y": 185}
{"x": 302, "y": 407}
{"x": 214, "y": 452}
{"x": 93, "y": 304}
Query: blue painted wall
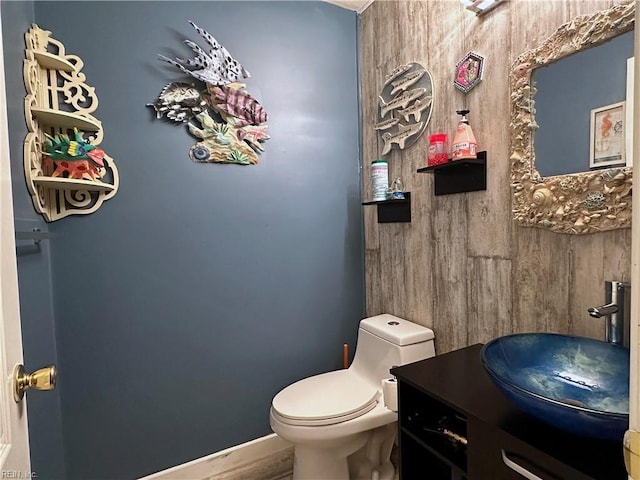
{"x": 199, "y": 291}
{"x": 34, "y": 264}
{"x": 567, "y": 92}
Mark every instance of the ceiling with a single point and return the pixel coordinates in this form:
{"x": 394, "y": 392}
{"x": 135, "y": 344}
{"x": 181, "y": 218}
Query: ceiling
{"x": 355, "y": 5}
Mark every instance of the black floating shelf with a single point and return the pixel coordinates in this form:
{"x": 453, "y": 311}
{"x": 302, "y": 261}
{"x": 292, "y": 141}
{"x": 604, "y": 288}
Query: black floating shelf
{"x": 392, "y": 211}
{"x": 458, "y": 176}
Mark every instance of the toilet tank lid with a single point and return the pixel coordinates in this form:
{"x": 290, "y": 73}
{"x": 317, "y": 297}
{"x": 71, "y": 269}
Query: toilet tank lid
{"x": 396, "y": 330}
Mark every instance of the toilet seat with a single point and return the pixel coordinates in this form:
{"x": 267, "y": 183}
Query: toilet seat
{"x": 325, "y": 399}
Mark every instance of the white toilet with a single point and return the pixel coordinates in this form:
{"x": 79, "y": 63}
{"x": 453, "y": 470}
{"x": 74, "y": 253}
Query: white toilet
{"x": 337, "y": 421}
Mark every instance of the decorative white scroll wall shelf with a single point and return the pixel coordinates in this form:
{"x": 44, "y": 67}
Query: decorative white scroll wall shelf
{"x": 65, "y": 171}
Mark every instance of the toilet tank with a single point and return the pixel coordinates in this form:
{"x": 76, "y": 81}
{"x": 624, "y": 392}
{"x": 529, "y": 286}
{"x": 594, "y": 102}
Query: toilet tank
{"x": 385, "y": 341}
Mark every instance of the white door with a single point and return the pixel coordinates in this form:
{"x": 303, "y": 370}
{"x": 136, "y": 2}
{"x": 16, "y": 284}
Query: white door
{"x": 632, "y": 453}
{"x": 14, "y": 445}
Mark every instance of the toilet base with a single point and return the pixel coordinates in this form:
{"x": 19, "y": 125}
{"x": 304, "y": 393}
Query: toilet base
{"x": 307, "y": 462}
{"x": 365, "y": 456}
{"x": 373, "y": 462}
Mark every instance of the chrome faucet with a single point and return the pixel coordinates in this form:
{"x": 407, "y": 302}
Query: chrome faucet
{"x": 617, "y": 312}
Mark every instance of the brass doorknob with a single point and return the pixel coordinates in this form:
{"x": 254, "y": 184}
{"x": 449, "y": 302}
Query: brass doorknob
{"x": 43, "y": 379}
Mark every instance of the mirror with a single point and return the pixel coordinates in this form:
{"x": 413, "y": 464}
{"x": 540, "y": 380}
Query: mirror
{"x": 577, "y": 203}
{"x": 567, "y": 92}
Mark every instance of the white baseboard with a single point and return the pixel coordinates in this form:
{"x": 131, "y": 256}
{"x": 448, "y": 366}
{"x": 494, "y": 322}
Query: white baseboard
{"x": 265, "y": 458}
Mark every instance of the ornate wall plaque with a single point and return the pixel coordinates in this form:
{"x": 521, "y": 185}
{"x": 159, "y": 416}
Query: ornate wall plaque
{"x": 404, "y": 106}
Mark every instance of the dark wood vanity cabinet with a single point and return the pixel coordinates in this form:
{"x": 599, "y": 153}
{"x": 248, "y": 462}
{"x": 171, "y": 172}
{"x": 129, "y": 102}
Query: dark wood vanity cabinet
{"x": 454, "y": 424}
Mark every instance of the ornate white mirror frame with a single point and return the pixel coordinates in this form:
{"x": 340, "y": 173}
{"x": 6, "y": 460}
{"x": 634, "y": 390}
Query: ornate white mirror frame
{"x": 577, "y": 203}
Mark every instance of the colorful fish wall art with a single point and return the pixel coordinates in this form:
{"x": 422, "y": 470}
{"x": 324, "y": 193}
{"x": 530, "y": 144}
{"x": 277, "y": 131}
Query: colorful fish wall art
{"x": 230, "y": 123}
{"x": 404, "y": 106}
{"x": 74, "y": 158}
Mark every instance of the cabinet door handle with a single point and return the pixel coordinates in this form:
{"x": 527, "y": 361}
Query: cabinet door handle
{"x": 518, "y": 468}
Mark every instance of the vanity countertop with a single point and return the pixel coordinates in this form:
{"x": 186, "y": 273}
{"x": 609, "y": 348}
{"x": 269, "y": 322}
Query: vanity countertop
{"x": 458, "y": 379}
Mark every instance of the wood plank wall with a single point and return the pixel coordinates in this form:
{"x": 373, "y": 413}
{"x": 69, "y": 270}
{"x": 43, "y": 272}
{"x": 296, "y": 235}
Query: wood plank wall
{"x": 462, "y": 267}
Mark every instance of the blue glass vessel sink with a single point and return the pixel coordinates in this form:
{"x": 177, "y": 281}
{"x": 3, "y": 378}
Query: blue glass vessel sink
{"x": 574, "y": 383}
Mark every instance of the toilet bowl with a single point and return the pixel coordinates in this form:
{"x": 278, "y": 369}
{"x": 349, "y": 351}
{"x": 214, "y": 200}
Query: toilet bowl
{"x": 337, "y": 421}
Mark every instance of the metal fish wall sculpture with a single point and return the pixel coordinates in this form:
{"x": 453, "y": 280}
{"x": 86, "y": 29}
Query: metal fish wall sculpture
{"x": 406, "y": 81}
{"x": 232, "y": 122}
{"x": 180, "y": 102}
{"x": 400, "y": 137}
{"x": 404, "y": 106}
{"x": 237, "y": 104}
{"x": 402, "y": 100}
{"x": 217, "y": 67}
{"x": 415, "y": 109}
